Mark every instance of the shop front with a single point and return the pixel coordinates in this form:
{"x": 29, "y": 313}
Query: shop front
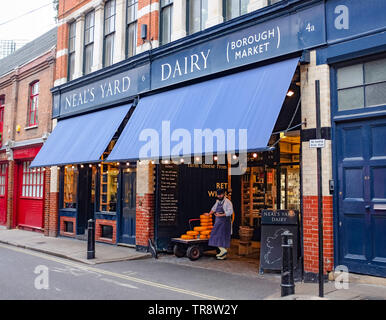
{"x": 233, "y": 107}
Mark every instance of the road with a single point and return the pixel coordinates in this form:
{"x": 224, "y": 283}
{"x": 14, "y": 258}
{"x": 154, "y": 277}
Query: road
{"x": 26, "y": 274}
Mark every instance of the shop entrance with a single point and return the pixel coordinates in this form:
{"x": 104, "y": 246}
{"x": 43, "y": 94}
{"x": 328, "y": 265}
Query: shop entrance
{"x": 361, "y": 164}
{"x": 3, "y": 192}
{"x": 128, "y": 207}
{"x": 30, "y": 200}
{"x": 86, "y": 198}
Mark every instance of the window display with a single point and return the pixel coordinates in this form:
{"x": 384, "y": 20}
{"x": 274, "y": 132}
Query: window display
{"x": 70, "y": 187}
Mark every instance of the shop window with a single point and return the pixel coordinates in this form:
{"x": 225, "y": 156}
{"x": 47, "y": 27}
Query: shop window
{"x": 234, "y": 8}
{"x": 33, "y": 104}
{"x": 362, "y": 85}
{"x": 106, "y": 231}
{"x": 33, "y": 181}
{"x": 109, "y": 33}
{"x": 2, "y": 106}
{"x": 70, "y": 187}
{"x": 71, "y": 51}
{"x": 109, "y": 187}
{"x": 166, "y": 20}
{"x": 69, "y": 226}
{"x": 89, "y": 42}
{"x": 132, "y": 11}
{"x": 273, "y": 1}
{"x": 197, "y": 15}
{"x": 3, "y": 179}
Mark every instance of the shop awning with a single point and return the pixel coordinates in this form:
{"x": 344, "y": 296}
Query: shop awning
{"x": 249, "y": 100}
{"x": 81, "y": 139}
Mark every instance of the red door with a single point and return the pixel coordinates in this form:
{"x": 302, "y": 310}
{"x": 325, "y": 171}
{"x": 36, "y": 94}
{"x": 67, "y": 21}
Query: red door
{"x": 30, "y": 201}
{"x": 3, "y": 193}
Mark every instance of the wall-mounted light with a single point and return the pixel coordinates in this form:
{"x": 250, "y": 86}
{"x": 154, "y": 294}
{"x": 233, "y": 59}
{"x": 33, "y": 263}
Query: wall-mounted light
{"x": 255, "y": 155}
{"x": 290, "y": 93}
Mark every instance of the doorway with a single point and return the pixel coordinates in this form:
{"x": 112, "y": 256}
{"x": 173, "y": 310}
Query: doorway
{"x": 86, "y": 198}
{"x": 30, "y": 200}
{"x": 128, "y": 207}
{"x": 361, "y": 169}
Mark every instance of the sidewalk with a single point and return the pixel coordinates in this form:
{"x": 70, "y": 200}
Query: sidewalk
{"x": 68, "y": 248}
{"x": 356, "y": 291}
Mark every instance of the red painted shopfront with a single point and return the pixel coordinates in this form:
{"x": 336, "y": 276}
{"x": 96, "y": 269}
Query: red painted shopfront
{"x": 29, "y": 191}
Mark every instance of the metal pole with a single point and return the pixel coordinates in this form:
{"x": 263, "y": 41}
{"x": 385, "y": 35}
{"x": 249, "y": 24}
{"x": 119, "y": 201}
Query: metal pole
{"x": 287, "y": 271}
{"x": 91, "y": 239}
{"x": 320, "y": 191}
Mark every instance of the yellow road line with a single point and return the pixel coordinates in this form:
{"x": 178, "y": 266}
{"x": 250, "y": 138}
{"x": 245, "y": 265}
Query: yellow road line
{"x": 109, "y": 273}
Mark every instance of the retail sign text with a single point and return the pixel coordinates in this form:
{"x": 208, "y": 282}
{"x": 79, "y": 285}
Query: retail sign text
{"x": 105, "y": 91}
{"x": 283, "y": 35}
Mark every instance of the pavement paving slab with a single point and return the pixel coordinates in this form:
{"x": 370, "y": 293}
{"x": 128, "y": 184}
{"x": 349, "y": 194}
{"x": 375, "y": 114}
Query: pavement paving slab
{"x": 69, "y": 248}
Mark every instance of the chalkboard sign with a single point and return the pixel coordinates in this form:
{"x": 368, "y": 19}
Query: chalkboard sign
{"x": 168, "y": 209}
{"x": 273, "y": 224}
{"x": 279, "y": 217}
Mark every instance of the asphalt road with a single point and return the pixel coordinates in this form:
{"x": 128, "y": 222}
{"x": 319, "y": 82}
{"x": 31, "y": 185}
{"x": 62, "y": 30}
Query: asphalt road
{"x": 23, "y": 275}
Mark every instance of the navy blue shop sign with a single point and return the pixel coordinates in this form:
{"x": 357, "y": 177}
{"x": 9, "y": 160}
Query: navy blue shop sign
{"x": 286, "y": 34}
{"x": 350, "y": 18}
{"x": 103, "y": 92}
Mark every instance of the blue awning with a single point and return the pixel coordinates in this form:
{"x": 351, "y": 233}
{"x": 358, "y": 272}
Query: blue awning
{"x": 81, "y": 139}
{"x": 249, "y": 100}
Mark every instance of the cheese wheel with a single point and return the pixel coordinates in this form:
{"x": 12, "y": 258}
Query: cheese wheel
{"x": 205, "y": 216}
{"x": 192, "y": 233}
{"x": 206, "y": 224}
{"x": 187, "y": 237}
{"x": 206, "y": 220}
{"x": 200, "y": 228}
{"x": 206, "y": 232}
{"x": 203, "y": 237}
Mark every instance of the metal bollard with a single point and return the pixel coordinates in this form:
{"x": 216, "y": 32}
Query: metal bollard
{"x": 91, "y": 239}
{"x": 287, "y": 271}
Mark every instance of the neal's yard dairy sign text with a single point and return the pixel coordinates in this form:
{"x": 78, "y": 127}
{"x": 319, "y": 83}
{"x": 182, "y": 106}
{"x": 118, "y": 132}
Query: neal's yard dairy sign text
{"x": 106, "y": 91}
{"x": 283, "y": 35}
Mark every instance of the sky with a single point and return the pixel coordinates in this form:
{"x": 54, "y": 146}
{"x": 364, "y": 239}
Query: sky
{"x": 29, "y": 26}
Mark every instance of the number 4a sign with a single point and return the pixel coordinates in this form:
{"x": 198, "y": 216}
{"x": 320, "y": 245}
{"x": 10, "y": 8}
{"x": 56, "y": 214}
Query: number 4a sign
{"x": 317, "y": 143}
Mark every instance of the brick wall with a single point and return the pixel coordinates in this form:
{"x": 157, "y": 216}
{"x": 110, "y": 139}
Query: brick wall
{"x": 98, "y": 230}
{"x": 310, "y": 234}
{"x": 310, "y": 73}
{"x": 144, "y": 219}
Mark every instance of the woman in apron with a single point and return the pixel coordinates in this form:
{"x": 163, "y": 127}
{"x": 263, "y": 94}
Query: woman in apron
{"x": 221, "y": 233}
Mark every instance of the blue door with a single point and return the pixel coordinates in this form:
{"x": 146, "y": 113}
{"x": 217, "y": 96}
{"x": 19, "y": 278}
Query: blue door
{"x": 128, "y": 207}
{"x": 361, "y": 157}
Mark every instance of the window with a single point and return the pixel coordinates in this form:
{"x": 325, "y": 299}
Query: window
{"x": 109, "y": 33}
{"x": 3, "y": 179}
{"x": 166, "y": 20}
{"x": 106, "y": 231}
{"x": 362, "y": 85}
{"x": 2, "y": 103}
{"x": 273, "y": 1}
{"x": 197, "y": 15}
{"x": 108, "y": 187}
{"x": 88, "y": 42}
{"x": 69, "y": 226}
{"x": 132, "y": 10}
{"x": 71, "y": 51}
{"x": 33, "y": 104}
{"x": 33, "y": 181}
{"x": 70, "y": 187}
{"x": 235, "y": 8}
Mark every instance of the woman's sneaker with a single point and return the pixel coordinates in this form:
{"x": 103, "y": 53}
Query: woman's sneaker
{"x": 222, "y": 255}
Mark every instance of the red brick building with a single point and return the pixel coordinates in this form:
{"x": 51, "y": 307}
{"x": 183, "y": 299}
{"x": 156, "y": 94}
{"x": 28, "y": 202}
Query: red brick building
{"x": 26, "y": 77}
